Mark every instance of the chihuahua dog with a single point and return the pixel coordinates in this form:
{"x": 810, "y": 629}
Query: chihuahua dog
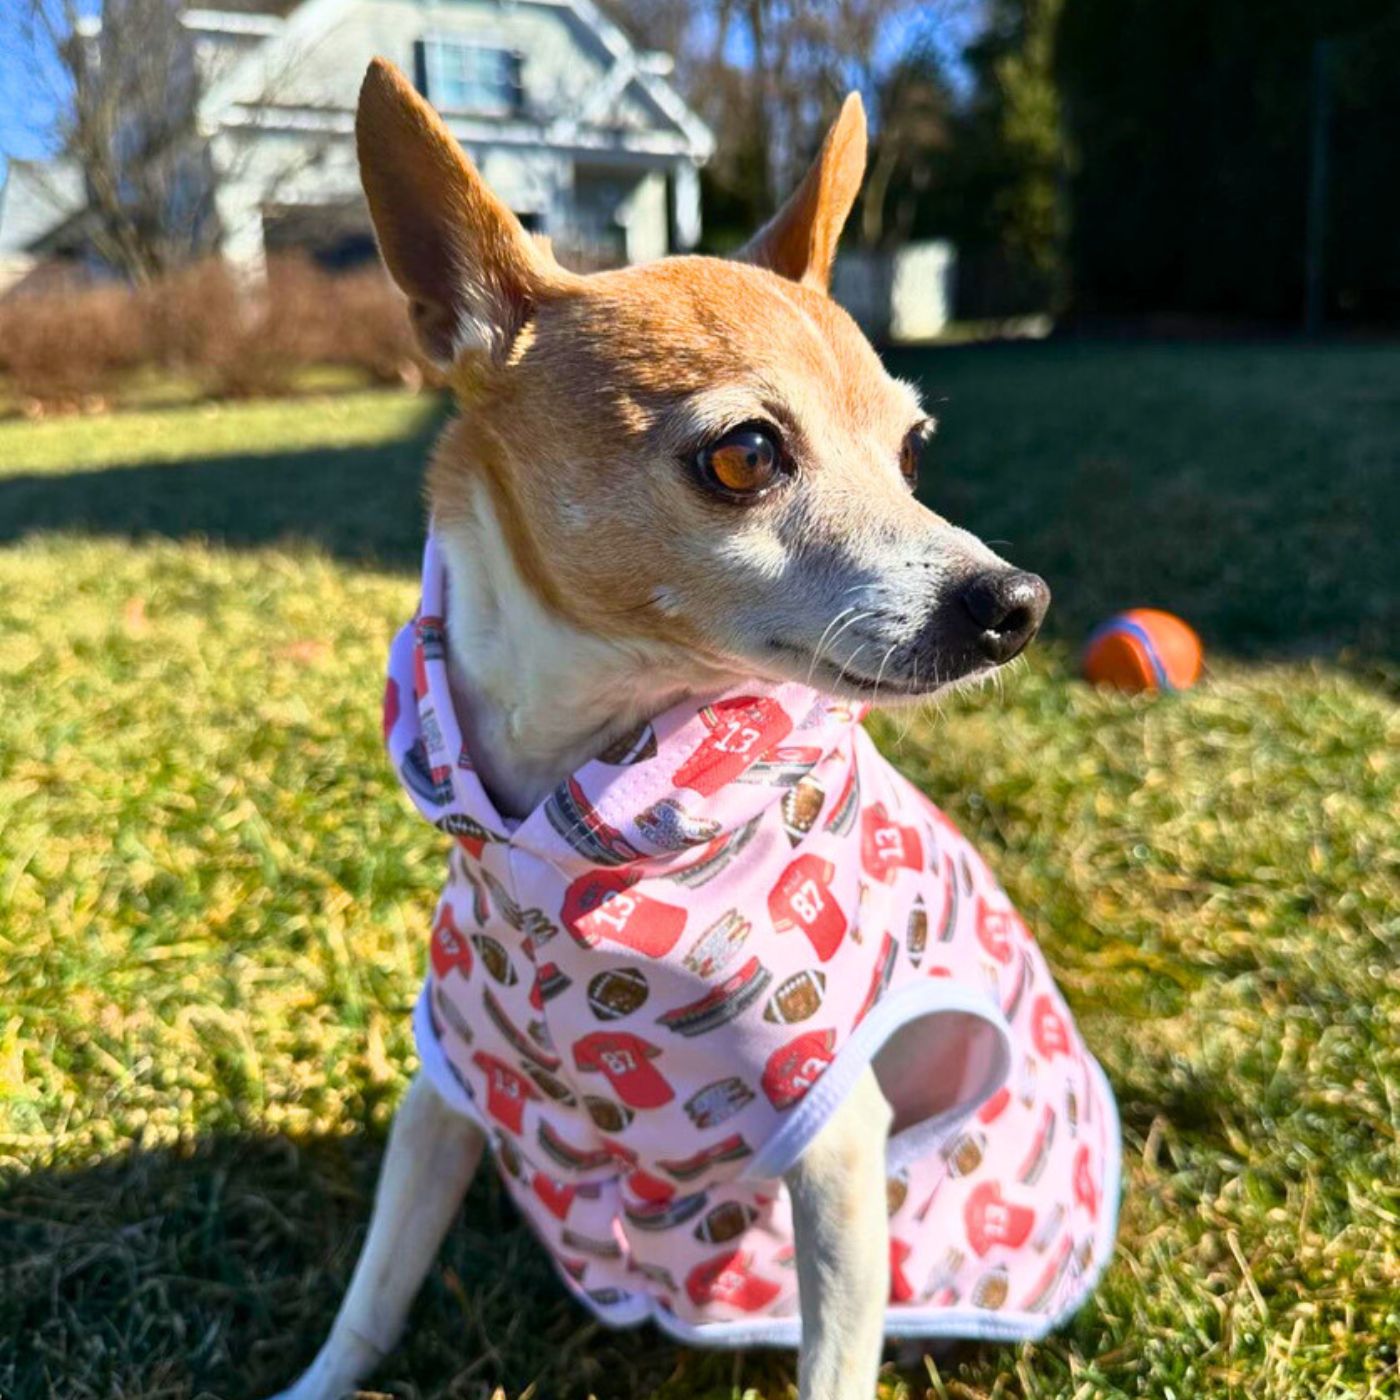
{"x": 761, "y": 1049}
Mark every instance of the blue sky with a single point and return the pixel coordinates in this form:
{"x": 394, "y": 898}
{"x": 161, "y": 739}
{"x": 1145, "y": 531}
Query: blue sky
{"x": 29, "y": 79}
{"x": 950, "y": 29}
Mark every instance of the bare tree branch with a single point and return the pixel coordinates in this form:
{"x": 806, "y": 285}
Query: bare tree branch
{"x": 126, "y": 94}
{"x": 126, "y": 120}
{"x": 768, "y": 75}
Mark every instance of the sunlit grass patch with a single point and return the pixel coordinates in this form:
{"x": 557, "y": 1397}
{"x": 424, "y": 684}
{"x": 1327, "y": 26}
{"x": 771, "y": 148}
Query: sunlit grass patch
{"x": 210, "y": 430}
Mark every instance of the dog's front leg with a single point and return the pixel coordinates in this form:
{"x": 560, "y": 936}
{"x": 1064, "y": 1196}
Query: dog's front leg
{"x": 432, "y": 1155}
{"x": 841, "y": 1230}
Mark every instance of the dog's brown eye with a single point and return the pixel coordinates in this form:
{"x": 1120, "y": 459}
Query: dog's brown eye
{"x": 909, "y": 456}
{"x": 744, "y": 462}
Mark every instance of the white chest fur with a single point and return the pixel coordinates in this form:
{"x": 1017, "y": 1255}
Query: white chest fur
{"x": 536, "y": 697}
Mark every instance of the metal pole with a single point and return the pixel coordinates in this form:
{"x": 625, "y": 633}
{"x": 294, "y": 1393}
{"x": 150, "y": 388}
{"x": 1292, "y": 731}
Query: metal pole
{"x": 1315, "y": 255}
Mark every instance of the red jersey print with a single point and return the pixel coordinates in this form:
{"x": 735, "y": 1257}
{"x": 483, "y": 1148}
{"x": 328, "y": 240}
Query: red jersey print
{"x": 420, "y": 674}
{"x": 1048, "y": 1029}
{"x": 626, "y": 1061}
{"x": 741, "y": 729}
{"x": 792, "y": 1070}
{"x": 605, "y": 907}
{"x": 886, "y": 847}
{"x": 1086, "y": 1189}
{"x": 994, "y": 929}
{"x": 901, "y": 1289}
{"x": 554, "y": 1195}
{"x": 450, "y": 949}
{"x": 729, "y": 1278}
{"x": 507, "y": 1092}
{"x": 992, "y": 1220}
{"x": 802, "y": 898}
{"x": 654, "y": 990}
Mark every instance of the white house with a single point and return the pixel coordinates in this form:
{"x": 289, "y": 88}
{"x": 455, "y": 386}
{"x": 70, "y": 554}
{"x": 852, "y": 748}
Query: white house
{"x": 582, "y": 134}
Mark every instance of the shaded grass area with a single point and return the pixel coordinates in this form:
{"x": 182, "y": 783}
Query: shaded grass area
{"x": 1253, "y": 489}
{"x": 344, "y": 473}
{"x": 215, "y": 904}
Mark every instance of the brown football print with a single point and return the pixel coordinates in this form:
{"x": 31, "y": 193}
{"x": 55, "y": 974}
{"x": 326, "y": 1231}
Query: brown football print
{"x": 799, "y": 997}
{"x": 802, "y": 805}
{"x": 617, "y": 992}
{"x": 725, "y": 1222}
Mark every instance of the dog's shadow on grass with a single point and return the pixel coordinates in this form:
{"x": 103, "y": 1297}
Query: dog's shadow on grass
{"x": 361, "y": 503}
{"x": 215, "y": 1270}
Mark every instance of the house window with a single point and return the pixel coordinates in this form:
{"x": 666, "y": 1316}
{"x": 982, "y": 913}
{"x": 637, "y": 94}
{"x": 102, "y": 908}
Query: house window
{"x": 462, "y": 77}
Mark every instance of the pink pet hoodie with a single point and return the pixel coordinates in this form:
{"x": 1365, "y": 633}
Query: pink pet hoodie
{"x": 655, "y": 989}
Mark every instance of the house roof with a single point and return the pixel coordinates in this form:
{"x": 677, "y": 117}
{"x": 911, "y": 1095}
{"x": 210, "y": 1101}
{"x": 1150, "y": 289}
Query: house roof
{"x": 279, "y": 8}
{"x": 36, "y": 198}
{"x": 631, "y": 70}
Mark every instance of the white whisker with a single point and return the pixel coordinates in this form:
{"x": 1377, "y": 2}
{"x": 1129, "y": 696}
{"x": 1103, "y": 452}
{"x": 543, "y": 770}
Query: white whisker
{"x": 821, "y": 641}
{"x": 849, "y": 622}
{"x": 880, "y": 674}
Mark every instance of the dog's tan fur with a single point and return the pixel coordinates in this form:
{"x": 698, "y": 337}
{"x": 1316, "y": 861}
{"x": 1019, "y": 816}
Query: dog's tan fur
{"x": 592, "y": 579}
{"x": 592, "y": 388}
{"x": 570, "y": 432}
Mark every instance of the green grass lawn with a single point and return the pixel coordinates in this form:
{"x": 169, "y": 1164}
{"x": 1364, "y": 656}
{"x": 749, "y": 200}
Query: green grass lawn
{"x": 214, "y": 899}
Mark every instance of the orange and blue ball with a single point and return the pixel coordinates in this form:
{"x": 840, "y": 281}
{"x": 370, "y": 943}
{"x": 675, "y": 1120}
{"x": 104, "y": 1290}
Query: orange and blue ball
{"x": 1143, "y": 649}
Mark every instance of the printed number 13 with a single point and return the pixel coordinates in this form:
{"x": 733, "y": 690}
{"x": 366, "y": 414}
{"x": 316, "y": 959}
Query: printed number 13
{"x": 889, "y": 840}
{"x": 743, "y": 737}
{"x": 616, "y": 910}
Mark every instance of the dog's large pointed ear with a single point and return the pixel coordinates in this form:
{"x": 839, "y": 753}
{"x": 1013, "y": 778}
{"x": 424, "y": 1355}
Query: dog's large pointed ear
{"x": 799, "y": 241}
{"x": 470, "y": 271}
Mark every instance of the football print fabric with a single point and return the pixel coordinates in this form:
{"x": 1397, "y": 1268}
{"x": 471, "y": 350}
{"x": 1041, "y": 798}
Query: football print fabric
{"x": 654, "y": 990}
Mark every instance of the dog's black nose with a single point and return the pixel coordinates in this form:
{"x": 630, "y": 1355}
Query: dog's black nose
{"x": 1007, "y": 607}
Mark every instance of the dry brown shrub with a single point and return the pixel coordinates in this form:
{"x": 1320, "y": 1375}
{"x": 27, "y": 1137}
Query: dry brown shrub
{"x": 70, "y": 340}
{"x": 366, "y": 325}
{"x": 236, "y": 339}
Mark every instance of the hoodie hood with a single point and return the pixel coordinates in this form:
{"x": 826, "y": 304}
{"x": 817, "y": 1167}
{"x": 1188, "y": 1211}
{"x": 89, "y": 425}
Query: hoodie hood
{"x": 694, "y": 775}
